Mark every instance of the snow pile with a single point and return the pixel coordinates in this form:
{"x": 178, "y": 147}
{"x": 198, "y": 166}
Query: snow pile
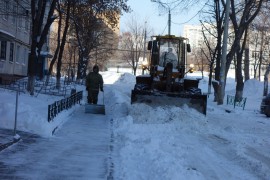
{"x": 253, "y": 88}
{"x": 32, "y": 113}
{"x": 119, "y": 95}
{"x": 178, "y": 142}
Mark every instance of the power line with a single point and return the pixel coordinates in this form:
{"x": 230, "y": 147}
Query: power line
{"x": 164, "y": 29}
{"x": 192, "y": 16}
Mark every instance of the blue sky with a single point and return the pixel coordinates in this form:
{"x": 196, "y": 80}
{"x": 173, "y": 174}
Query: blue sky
{"x": 145, "y": 10}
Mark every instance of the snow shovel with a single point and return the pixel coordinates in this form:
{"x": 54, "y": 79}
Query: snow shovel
{"x": 95, "y": 108}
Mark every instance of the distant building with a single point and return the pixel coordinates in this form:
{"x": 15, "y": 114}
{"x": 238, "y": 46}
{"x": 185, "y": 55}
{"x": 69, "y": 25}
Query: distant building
{"x": 195, "y": 35}
{"x": 14, "y": 39}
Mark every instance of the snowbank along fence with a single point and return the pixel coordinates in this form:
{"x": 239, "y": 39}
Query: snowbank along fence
{"x": 231, "y": 100}
{"x": 58, "y": 106}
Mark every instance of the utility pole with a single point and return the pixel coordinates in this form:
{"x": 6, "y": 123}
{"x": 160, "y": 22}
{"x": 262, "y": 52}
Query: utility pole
{"x": 224, "y": 55}
{"x": 169, "y": 22}
{"x": 168, "y": 7}
{"x": 144, "y": 41}
{"x": 144, "y": 47}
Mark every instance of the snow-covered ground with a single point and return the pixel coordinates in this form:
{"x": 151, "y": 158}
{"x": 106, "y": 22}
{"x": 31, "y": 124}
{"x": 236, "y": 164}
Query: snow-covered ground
{"x": 166, "y": 142}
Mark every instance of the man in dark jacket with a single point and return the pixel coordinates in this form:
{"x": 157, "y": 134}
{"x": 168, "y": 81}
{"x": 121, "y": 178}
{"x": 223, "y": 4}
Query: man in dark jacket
{"x": 94, "y": 82}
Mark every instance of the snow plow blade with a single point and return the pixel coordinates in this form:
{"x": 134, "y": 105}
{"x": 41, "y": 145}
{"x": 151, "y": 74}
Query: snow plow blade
{"x": 94, "y": 109}
{"x": 195, "y": 101}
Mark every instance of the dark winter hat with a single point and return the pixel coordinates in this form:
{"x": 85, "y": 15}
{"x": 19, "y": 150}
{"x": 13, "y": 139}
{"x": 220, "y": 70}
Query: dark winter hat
{"x": 95, "y": 68}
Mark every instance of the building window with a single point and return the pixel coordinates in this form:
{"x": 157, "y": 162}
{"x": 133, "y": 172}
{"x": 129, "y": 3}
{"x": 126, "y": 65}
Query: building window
{"x": 26, "y": 24}
{"x": 14, "y": 14}
{"x": 24, "y": 55}
{"x": 11, "y": 51}
{"x": 255, "y": 54}
{"x": 20, "y": 22}
{"x": 3, "y": 51}
{"x": 6, "y": 8}
{"x": 20, "y": 18}
{"x": 18, "y": 53}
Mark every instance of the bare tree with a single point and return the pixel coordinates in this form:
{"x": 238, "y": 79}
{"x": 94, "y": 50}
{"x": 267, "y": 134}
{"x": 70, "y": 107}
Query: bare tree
{"x": 84, "y": 19}
{"x": 210, "y": 51}
{"x": 107, "y": 42}
{"x": 260, "y": 41}
{"x": 41, "y": 22}
{"x": 88, "y": 25}
{"x": 199, "y": 59}
{"x": 58, "y": 45}
{"x": 173, "y": 7}
{"x": 133, "y": 41}
{"x": 246, "y": 56}
{"x": 213, "y": 26}
{"x": 177, "y": 5}
{"x": 241, "y": 15}
{"x": 256, "y": 37}
{"x": 63, "y": 42}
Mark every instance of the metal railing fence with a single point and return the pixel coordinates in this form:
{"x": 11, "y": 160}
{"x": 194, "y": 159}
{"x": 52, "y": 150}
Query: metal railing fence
{"x": 63, "y": 104}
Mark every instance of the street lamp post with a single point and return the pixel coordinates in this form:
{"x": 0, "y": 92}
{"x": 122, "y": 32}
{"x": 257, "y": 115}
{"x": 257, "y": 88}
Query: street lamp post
{"x": 169, "y": 22}
{"x": 166, "y": 6}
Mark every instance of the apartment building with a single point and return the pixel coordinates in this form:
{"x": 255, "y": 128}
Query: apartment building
{"x": 14, "y": 38}
{"x": 255, "y": 42}
{"x": 195, "y": 35}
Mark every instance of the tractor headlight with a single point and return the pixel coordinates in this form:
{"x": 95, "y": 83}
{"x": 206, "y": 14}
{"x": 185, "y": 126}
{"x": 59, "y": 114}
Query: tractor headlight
{"x": 191, "y": 68}
{"x": 144, "y": 65}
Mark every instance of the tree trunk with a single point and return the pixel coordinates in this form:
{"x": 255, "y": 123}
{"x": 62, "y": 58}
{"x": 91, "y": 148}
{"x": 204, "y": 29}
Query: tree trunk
{"x": 246, "y": 60}
{"x": 239, "y": 76}
{"x": 261, "y": 55}
{"x": 82, "y": 64}
{"x": 265, "y": 89}
{"x": 79, "y": 76}
{"x": 260, "y": 65}
{"x": 62, "y": 47}
{"x": 240, "y": 24}
{"x": 216, "y": 87}
{"x": 58, "y": 75}
{"x": 246, "y": 64}
{"x": 31, "y": 70}
{"x": 217, "y": 69}
{"x": 265, "y": 86}
{"x": 55, "y": 56}
{"x": 255, "y": 70}
{"x": 39, "y": 33}
{"x": 31, "y": 84}
{"x": 210, "y": 77}
{"x": 134, "y": 71}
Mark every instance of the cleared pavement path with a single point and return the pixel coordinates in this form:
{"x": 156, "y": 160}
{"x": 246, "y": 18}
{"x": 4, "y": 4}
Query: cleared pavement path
{"x": 79, "y": 150}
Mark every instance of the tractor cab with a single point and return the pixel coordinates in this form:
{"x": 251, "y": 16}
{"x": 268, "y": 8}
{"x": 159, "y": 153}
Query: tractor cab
{"x": 168, "y": 52}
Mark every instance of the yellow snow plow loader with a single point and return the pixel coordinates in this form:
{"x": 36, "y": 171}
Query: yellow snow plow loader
{"x": 166, "y": 83}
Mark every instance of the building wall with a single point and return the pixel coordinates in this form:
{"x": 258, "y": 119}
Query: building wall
{"x": 14, "y": 37}
{"x": 195, "y": 36}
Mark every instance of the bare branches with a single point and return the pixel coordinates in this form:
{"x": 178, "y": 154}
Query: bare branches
{"x": 176, "y": 6}
{"x": 133, "y": 41}
{"x": 92, "y": 24}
